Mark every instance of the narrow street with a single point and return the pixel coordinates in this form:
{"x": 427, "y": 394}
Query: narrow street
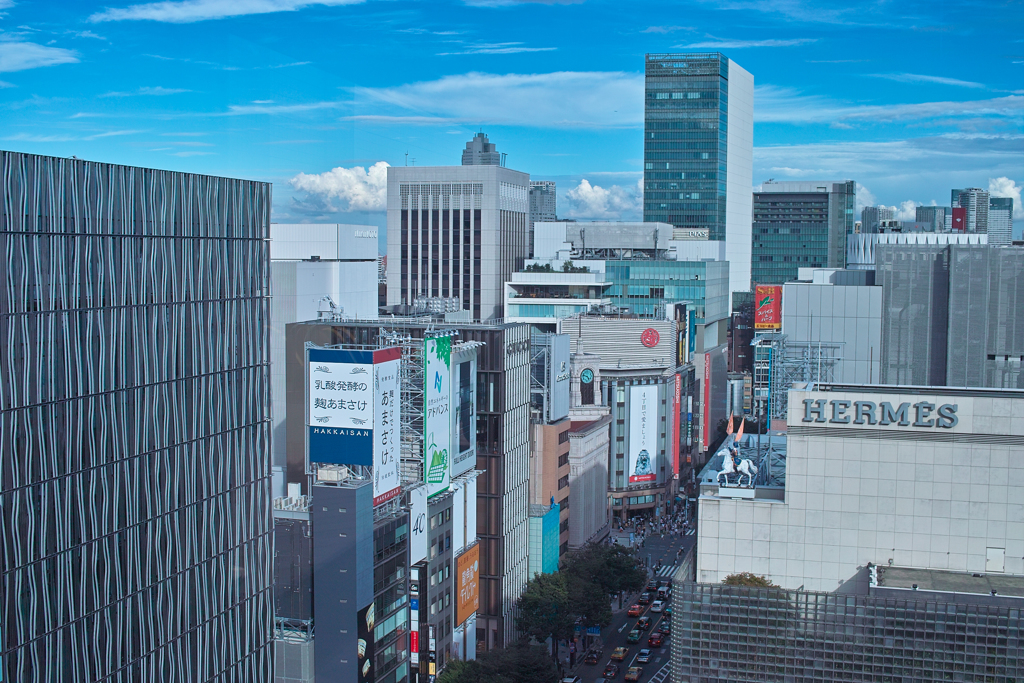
{"x": 655, "y": 548}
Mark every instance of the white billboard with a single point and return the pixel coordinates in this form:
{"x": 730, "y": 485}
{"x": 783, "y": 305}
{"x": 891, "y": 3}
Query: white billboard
{"x": 437, "y": 415}
{"x": 558, "y": 377}
{"x": 643, "y": 433}
{"x": 458, "y": 519}
{"x": 386, "y": 480}
{"x": 418, "y": 524}
{"x": 353, "y": 413}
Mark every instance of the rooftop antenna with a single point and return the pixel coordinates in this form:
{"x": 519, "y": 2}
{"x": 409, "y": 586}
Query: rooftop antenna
{"x": 406, "y": 158}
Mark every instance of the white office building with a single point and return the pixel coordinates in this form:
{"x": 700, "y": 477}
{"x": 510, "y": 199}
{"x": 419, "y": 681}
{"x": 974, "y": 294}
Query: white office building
{"x": 456, "y": 231}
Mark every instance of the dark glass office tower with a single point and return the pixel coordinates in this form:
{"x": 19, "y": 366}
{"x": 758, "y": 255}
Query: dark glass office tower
{"x": 134, "y": 425}
{"x": 698, "y": 150}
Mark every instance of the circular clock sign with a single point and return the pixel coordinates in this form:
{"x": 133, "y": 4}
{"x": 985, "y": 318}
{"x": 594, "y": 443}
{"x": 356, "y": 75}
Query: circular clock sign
{"x": 587, "y": 376}
{"x": 650, "y": 338}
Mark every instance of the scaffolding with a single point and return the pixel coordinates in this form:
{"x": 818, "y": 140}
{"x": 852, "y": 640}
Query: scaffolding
{"x": 779, "y": 362}
{"x": 410, "y": 377}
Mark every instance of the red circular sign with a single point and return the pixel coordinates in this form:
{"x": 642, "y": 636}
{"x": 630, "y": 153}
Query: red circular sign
{"x": 650, "y": 338}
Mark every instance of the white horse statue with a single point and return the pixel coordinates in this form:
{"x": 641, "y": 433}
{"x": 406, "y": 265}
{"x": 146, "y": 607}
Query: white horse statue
{"x": 746, "y": 467}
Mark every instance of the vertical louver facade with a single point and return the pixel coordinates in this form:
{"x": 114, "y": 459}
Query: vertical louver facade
{"x": 134, "y": 437}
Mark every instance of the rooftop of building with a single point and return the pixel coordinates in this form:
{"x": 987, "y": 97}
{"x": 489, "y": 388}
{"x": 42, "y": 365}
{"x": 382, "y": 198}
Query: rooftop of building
{"x": 975, "y": 392}
{"x": 767, "y": 453}
{"x": 588, "y": 426}
{"x": 950, "y": 582}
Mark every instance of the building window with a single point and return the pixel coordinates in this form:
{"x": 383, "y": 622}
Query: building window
{"x": 563, "y": 460}
{"x": 563, "y": 482}
{"x": 563, "y": 437}
{"x": 564, "y": 504}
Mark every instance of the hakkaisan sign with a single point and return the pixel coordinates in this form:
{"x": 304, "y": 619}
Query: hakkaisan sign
{"x": 921, "y": 414}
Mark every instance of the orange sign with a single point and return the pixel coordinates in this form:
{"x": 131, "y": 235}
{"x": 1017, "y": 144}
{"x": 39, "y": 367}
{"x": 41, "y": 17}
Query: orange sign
{"x": 468, "y": 566}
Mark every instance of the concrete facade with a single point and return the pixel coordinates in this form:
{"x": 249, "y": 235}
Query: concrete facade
{"x": 837, "y": 307}
{"x": 549, "y": 472}
{"x": 588, "y": 481}
{"x": 948, "y": 498}
{"x": 456, "y": 231}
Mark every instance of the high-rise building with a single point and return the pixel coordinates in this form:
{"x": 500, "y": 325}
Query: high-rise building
{"x": 481, "y": 152}
{"x": 456, "y": 231}
{"x": 935, "y": 216}
{"x": 952, "y": 315}
{"x": 134, "y": 424}
{"x": 974, "y": 201}
{"x": 698, "y": 151}
{"x": 502, "y": 446}
{"x": 1000, "y": 220}
{"x": 886, "y": 538}
{"x": 872, "y": 218}
{"x": 860, "y": 249}
{"x": 543, "y": 203}
{"x": 800, "y": 225}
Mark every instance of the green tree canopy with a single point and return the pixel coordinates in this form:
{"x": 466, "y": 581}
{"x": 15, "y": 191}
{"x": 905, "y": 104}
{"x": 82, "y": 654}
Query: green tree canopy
{"x": 544, "y": 608}
{"x": 520, "y": 662}
{"x": 612, "y": 568}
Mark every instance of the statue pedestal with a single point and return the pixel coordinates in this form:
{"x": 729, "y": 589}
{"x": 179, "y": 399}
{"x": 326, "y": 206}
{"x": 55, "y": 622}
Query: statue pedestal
{"x": 735, "y": 492}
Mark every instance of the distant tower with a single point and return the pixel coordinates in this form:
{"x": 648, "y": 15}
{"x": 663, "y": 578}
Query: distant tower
{"x": 480, "y": 152}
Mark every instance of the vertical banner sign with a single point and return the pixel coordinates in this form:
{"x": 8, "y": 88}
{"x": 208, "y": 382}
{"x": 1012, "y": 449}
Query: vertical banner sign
{"x": 437, "y": 416}
{"x": 705, "y": 409}
{"x": 767, "y": 307}
{"x": 676, "y": 419}
{"x": 468, "y": 566}
{"x": 643, "y": 432}
{"x": 959, "y": 222}
{"x": 387, "y": 398}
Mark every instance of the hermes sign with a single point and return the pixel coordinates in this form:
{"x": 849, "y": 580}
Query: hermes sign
{"x": 922, "y": 414}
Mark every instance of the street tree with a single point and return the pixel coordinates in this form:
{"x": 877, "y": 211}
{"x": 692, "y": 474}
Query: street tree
{"x": 545, "y": 610}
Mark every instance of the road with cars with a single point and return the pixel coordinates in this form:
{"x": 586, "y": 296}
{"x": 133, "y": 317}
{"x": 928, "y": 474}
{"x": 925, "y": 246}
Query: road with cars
{"x": 618, "y": 632}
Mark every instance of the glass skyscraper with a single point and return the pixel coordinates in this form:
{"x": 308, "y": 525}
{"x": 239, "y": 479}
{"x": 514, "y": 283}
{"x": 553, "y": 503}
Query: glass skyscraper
{"x": 698, "y": 151}
{"x": 135, "y": 514}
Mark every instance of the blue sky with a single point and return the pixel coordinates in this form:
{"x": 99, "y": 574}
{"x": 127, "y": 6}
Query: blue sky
{"x": 909, "y": 99}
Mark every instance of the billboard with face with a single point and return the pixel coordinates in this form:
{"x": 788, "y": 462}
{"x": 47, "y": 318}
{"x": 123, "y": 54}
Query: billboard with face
{"x": 643, "y": 433}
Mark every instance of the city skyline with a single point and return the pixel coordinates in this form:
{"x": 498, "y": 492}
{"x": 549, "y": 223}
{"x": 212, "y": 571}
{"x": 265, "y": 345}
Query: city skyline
{"x": 909, "y": 103}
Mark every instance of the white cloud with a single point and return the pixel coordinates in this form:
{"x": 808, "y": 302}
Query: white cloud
{"x": 1005, "y": 187}
{"x": 730, "y": 44}
{"x": 666, "y": 29}
{"x": 239, "y": 109}
{"x": 776, "y": 104}
{"x": 187, "y": 11}
{"x": 146, "y": 90}
{"x": 597, "y": 203}
{"x": 5, "y": 84}
{"x": 562, "y": 99}
{"x": 865, "y": 198}
{"x": 18, "y": 56}
{"x": 506, "y": 3}
{"x": 919, "y": 78}
{"x": 906, "y": 211}
{"x": 497, "y": 49}
{"x": 358, "y": 188}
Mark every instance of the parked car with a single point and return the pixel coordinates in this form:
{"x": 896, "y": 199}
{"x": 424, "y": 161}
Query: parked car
{"x": 619, "y": 654}
{"x": 655, "y": 640}
{"x": 658, "y": 606}
{"x": 611, "y": 671}
{"x": 634, "y": 673}
{"x": 644, "y": 656}
{"x": 644, "y": 599}
{"x": 593, "y": 657}
{"x": 643, "y": 623}
{"x": 635, "y": 610}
